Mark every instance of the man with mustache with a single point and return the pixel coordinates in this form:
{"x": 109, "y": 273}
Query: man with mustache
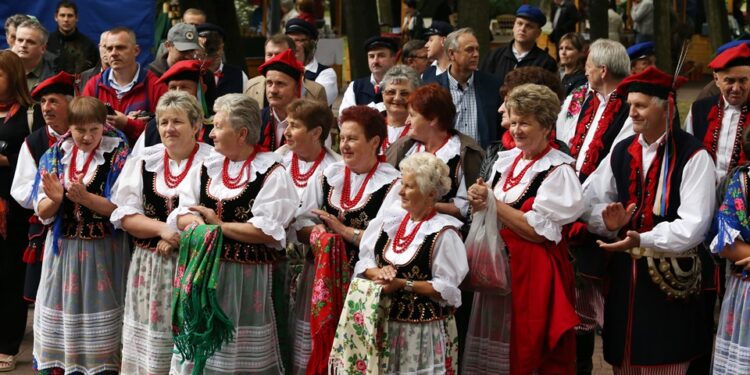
{"x": 53, "y": 96}
{"x": 275, "y": 45}
{"x": 283, "y": 83}
{"x": 30, "y": 45}
{"x": 381, "y": 56}
{"x": 523, "y": 51}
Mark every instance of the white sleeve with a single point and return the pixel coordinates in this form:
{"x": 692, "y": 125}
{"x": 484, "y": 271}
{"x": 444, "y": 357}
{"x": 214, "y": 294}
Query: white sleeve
{"x": 139, "y": 145}
{"x": 312, "y": 198}
{"x": 392, "y": 198}
{"x": 245, "y": 82}
{"x": 689, "y": 122}
{"x": 564, "y": 125}
{"x": 367, "y": 247}
{"x": 327, "y": 79}
{"x": 189, "y": 192}
{"x": 39, "y": 197}
{"x": 625, "y": 132}
{"x": 273, "y": 208}
{"x": 128, "y": 197}
{"x": 558, "y": 201}
{"x": 449, "y": 266}
{"x": 23, "y": 180}
{"x": 461, "y": 199}
{"x": 599, "y": 190}
{"x": 348, "y": 100}
{"x": 698, "y": 200}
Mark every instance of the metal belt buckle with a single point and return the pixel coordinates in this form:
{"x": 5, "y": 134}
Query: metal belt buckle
{"x": 637, "y": 252}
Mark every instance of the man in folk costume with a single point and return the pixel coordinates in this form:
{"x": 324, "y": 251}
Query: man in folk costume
{"x": 602, "y": 122}
{"x": 654, "y": 195}
{"x": 53, "y": 95}
{"x": 283, "y": 84}
{"x": 718, "y": 122}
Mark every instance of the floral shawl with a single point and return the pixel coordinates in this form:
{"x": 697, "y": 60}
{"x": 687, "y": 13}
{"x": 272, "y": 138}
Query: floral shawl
{"x": 731, "y": 221}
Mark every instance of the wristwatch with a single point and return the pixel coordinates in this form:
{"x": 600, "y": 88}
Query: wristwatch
{"x": 409, "y": 287}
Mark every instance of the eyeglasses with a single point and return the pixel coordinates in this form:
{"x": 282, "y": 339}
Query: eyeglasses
{"x": 419, "y": 57}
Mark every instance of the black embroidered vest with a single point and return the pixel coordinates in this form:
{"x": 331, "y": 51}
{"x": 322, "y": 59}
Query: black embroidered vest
{"x": 364, "y": 92}
{"x": 155, "y": 206}
{"x": 453, "y": 165}
{"x": 314, "y": 75}
{"x": 609, "y": 136}
{"x": 357, "y": 218}
{"x": 410, "y": 307}
{"x": 238, "y": 209}
{"x": 531, "y": 188}
{"x": 230, "y": 81}
{"x": 80, "y": 221}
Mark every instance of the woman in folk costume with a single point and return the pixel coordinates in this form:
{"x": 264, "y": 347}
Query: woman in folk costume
{"x": 344, "y": 197}
{"x": 248, "y": 194}
{"x": 732, "y": 227}
{"x": 536, "y": 192}
{"x": 14, "y": 219}
{"x": 303, "y": 154}
{"x": 397, "y": 85}
{"x": 654, "y": 196}
{"x": 418, "y": 256}
{"x": 143, "y": 204}
{"x": 79, "y": 305}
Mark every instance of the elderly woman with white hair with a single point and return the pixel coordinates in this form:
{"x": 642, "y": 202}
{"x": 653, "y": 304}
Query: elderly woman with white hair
{"x": 248, "y": 194}
{"x": 397, "y": 84}
{"x": 143, "y": 204}
{"x": 417, "y": 255}
{"x": 536, "y": 192}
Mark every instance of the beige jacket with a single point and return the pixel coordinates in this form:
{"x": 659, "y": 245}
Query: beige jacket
{"x": 256, "y": 89}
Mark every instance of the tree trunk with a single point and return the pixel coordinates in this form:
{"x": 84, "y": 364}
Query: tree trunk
{"x": 718, "y": 25}
{"x": 663, "y": 26}
{"x": 361, "y": 22}
{"x": 598, "y": 19}
{"x": 224, "y": 14}
{"x": 475, "y": 14}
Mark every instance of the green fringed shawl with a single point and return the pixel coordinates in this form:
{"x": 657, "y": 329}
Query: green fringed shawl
{"x": 199, "y": 325}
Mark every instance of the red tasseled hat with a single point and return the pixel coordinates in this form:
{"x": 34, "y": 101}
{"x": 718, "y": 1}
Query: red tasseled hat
{"x": 735, "y": 56}
{"x": 286, "y": 63}
{"x": 61, "y": 83}
{"x": 185, "y": 69}
{"x": 651, "y": 81}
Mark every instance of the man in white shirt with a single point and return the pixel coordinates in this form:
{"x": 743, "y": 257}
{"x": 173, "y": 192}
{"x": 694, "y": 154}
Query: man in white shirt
{"x": 381, "y": 56}
{"x": 653, "y": 197}
{"x": 305, "y": 37}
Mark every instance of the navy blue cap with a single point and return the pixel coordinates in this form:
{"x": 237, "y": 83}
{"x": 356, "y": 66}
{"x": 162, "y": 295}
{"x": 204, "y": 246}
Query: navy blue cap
{"x": 640, "y": 50}
{"x": 298, "y": 25}
{"x": 381, "y": 42}
{"x": 205, "y": 27}
{"x": 532, "y": 14}
{"x": 441, "y": 28}
{"x": 731, "y": 44}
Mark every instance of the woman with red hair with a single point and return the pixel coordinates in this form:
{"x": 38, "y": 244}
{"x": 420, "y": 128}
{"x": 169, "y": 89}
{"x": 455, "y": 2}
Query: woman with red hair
{"x": 430, "y": 121}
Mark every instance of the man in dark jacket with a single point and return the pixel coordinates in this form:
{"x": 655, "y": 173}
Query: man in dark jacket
{"x": 564, "y": 19}
{"x": 75, "y": 51}
{"x": 476, "y": 94}
{"x": 523, "y": 51}
{"x": 181, "y": 44}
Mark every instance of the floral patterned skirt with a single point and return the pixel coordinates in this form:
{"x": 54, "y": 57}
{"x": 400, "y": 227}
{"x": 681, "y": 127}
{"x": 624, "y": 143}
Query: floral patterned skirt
{"x": 244, "y": 293}
{"x": 300, "y": 324}
{"x": 147, "y": 325}
{"x": 423, "y": 348}
{"x": 79, "y": 305}
{"x": 732, "y": 350}
{"x": 487, "y": 348}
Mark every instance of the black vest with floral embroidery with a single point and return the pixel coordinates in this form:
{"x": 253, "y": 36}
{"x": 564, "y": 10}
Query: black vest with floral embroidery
{"x": 80, "y": 221}
{"x": 238, "y": 210}
{"x": 155, "y": 206}
{"x": 410, "y": 307}
{"x": 357, "y": 218}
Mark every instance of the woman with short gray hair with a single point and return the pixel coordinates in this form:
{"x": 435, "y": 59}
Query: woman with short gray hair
{"x": 143, "y": 204}
{"x": 536, "y": 192}
{"x": 245, "y": 191}
{"x": 417, "y": 255}
{"x": 398, "y": 83}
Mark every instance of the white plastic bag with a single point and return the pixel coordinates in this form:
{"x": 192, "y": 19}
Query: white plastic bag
{"x": 489, "y": 271}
